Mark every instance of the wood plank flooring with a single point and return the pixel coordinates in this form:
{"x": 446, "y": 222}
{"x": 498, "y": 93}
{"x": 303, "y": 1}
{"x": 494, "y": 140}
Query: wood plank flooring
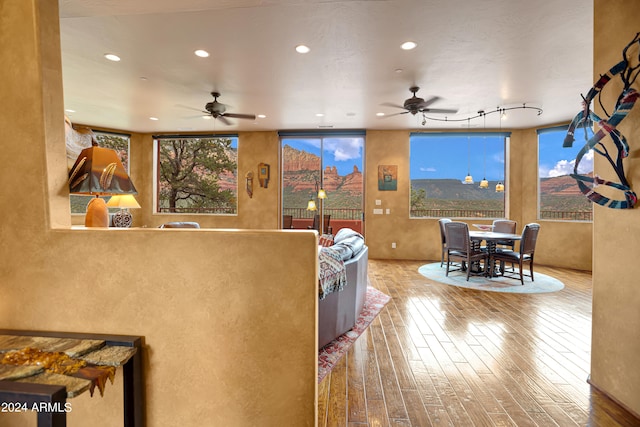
{"x": 439, "y": 355}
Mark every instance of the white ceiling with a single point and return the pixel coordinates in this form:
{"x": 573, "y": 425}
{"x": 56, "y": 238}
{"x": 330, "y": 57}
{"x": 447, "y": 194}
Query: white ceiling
{"x": 474, "y": 55}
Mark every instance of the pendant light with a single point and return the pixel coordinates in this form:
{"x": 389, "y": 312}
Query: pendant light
{"x": 468, "y": 179}
{"x": 484, "y": 184}
{"x": 500, "y": 185}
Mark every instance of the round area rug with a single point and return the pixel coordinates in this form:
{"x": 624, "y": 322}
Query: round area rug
{"x": 542, "y": 283}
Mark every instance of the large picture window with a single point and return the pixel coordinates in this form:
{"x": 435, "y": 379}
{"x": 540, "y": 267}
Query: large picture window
{"x": 439, "y": 164}
{"x": 332, "y": 162}
{"x": 560, "y": 197}
{"x": 197, "y": 175}
{"x": 115, "y": 141}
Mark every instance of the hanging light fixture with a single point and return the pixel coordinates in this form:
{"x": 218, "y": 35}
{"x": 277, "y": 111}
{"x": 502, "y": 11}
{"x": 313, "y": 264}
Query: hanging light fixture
{"x": 484, "y": 183}
{"x": 468, "y": 179}
{"x": 500, "y": 185}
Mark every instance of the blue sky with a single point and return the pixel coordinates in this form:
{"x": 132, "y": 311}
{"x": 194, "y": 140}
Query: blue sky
{"x": 441, "y": 156}
{"x": 431, "y": 157}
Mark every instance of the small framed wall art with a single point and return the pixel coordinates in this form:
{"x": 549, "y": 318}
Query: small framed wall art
{"x": 387, "y": 177}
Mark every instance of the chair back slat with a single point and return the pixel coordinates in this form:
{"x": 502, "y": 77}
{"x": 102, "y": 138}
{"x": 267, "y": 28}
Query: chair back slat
{"x": 529, "y": 239}
{"x": 443, "y": 235}
{"x": 457, "y": 236}
{"x": 504, "y": 226}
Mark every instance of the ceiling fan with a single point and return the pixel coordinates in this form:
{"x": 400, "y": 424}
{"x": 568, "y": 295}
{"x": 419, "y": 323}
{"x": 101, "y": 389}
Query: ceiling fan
{"x": 415, "y": 105}
{"x": 218, "y": 111}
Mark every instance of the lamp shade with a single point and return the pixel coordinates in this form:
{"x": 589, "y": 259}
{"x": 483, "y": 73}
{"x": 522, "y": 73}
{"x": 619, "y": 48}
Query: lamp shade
{"x": 500, "y": 187}
{"x": 99, "y": 171}
{"x": 123, "y": 201}
{"x": 311, "y": 206}
{"x": 484, "y": 183}
{"x": 468, "y": 179}
{"x": 322, "y": 194}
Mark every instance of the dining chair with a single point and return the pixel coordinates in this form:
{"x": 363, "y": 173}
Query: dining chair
{"x": 459, "y": 247}
{"x": 443, "y": 238}
{"x": 316, "y": 224}
{"x": 524, "y": 254}
{"x": 505, "y": 226}
{"x": 287, "y": 221}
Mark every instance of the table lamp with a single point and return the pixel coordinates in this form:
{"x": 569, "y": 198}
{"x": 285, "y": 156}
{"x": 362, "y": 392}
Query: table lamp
{"x": 123, "y": 217}
{"x": 98, "y": 171}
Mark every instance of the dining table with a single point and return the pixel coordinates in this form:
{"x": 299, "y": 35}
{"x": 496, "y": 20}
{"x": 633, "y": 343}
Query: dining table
{"x": 491, "y": 238}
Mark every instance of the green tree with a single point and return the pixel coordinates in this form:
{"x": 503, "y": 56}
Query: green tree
{"x": 191, "y": 170}
{"x": 418, "y": 198}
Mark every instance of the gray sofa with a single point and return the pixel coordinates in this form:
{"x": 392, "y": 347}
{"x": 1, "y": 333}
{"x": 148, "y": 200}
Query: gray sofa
{"x": 338, "y": 311}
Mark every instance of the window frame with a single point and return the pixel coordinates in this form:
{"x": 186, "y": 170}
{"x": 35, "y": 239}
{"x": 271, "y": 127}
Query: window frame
{"x": 560, "y": 131}
{"x": 450, "y": 213}
{"x": 156, "y": 174}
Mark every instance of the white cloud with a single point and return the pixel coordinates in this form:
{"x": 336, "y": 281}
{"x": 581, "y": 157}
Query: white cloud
{"x": 427, "y": 169}
{"x": 565, "y": 167}
{"x": 344, "y": 148}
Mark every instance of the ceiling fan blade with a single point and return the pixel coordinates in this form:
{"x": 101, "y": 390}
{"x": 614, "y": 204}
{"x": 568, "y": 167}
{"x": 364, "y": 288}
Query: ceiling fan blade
{"x": 240, "y": 116}
{"x": 191, "y": 108}
{"x": 394, "y": 114}
{"x": 438, "y": 111}
{"x": 429, "y": 101}
{"x": 391, "y": 104}
{"x": 224, "y": 120}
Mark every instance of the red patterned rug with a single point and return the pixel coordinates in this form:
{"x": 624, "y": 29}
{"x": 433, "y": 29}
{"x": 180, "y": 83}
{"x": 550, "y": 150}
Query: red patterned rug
{"x": 331, "y": 353}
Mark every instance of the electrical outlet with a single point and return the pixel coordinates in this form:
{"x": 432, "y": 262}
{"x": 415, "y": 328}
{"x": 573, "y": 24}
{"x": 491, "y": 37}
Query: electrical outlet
{"x": 393, "y": 245}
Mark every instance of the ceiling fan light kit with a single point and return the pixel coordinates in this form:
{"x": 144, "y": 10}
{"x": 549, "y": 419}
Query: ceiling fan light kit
{"x": 218, "y": 110}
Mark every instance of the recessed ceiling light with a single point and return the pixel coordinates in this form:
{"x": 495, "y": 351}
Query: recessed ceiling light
{"x": 201, "y": 53}
{"x": 398, "y": 70}
{"x": 112, "y": 57}
{"x": 153, "y": 118}
{"x": 319, "y": 115}
{"x": 408, "y": 45}
{"x": 302, "y": 49}
{"x": 262, "y": 116}
{"x": 379, "y": 114}
{"x": 143, "y": 78}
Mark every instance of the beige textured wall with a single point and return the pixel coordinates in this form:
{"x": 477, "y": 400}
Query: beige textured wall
{"x": 222, "y": 344}
{"x": 616, "y": 295}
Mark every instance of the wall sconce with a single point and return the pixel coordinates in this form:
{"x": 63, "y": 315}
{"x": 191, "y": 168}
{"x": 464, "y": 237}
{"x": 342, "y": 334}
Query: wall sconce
{"x": 123, "y": 217}
{"x": 98, "y": 171}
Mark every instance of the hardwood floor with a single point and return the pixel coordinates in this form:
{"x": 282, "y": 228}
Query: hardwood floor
{"x": 439, "y": 355}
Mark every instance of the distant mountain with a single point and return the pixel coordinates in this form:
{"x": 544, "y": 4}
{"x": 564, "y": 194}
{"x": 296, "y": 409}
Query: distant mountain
{"x": 453, "y": 189}
{"x": 560, "y": 185}
{"x": 300, "y": 171}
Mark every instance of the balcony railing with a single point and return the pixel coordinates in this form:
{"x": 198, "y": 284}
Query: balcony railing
{"x": 214, "y": 211}
{"x": 456, "y": 213}
{"x": 336, "y": 213}
{"x": 475, "y": 213}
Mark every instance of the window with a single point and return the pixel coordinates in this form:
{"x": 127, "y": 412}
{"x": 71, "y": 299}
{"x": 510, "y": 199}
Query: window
{"x": 115, "y": 141}
{"x": 560, "y": 198}
{"x": 332, "y": 162}
{"x": 197, "y": 174}
{"x": 439, "y": 163}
